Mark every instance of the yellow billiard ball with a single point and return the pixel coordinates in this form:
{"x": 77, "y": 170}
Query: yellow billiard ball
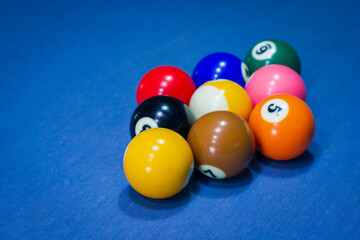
{"x": 158, "y": 163}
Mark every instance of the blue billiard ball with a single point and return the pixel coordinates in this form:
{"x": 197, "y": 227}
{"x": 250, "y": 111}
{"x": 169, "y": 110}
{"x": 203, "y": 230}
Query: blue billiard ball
{"x": 219, "y": 66}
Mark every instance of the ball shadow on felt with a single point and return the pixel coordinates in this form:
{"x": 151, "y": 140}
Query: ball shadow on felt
{"x": 285, "y": 169}
{"x": 220, "y": 188}
{"x": 135, "y": 205}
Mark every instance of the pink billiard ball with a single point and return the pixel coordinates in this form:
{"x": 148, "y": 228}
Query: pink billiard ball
{"x": 275, "y": 79}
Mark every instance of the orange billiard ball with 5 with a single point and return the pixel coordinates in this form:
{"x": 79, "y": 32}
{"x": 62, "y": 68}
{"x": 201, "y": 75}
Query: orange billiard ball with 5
{"x": 284, "y": 126}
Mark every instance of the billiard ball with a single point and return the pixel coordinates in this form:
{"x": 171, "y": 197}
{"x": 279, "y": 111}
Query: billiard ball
{"x": 275, "y": 79}
{"x": 222, "y": 143}
{"x": 218, "y": 66}
{"x": 164, "y": 112}
{"x": 158, "y": 163}
{"x": 220, "y": 95}
{"x": 270, "y": 52}
{"x": 165, "y": 80}
{"x": 283, "y": 125}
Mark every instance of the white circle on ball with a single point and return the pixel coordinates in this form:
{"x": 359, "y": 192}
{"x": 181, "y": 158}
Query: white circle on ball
{"x": 207, "y": 99}
{"x": 245, "y": 72}
{"x": 212, "y": 171}
{"x": 144, "y": 124}
{"x": 274, "y": 110}
{"x": 264, "y": 50}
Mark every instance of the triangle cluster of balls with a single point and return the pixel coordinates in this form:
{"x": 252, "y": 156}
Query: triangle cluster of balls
{"x": 217, "y": 118}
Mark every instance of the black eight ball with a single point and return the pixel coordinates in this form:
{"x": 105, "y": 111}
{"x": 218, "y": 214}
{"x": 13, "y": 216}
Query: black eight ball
{"x": 162, "y": 112}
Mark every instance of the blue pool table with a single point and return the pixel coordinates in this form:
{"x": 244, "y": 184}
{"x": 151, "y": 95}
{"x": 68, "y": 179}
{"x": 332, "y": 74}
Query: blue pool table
{"x": 68, "y": 77}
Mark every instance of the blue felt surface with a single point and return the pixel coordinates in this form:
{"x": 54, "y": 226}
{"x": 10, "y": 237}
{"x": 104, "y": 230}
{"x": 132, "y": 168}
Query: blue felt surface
{"x": 68, "y": 76}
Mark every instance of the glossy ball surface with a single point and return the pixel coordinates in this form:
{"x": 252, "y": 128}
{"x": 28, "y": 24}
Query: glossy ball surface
{"x": 158, "y": 163}
{"x": 284, "y": 126}
{"x": 218, "y": 66}
{"x": 271, "y": 52}
{"x": 220, "y": 95}
{"x": 275, "y": 79}
{"x": 163, "y": 112}
{"x": 168, "y": 81}
{"x": 222, "y": 143}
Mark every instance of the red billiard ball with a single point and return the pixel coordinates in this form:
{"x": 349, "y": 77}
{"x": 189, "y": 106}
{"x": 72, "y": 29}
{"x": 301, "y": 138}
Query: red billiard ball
{"x": 166, "y": 80}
